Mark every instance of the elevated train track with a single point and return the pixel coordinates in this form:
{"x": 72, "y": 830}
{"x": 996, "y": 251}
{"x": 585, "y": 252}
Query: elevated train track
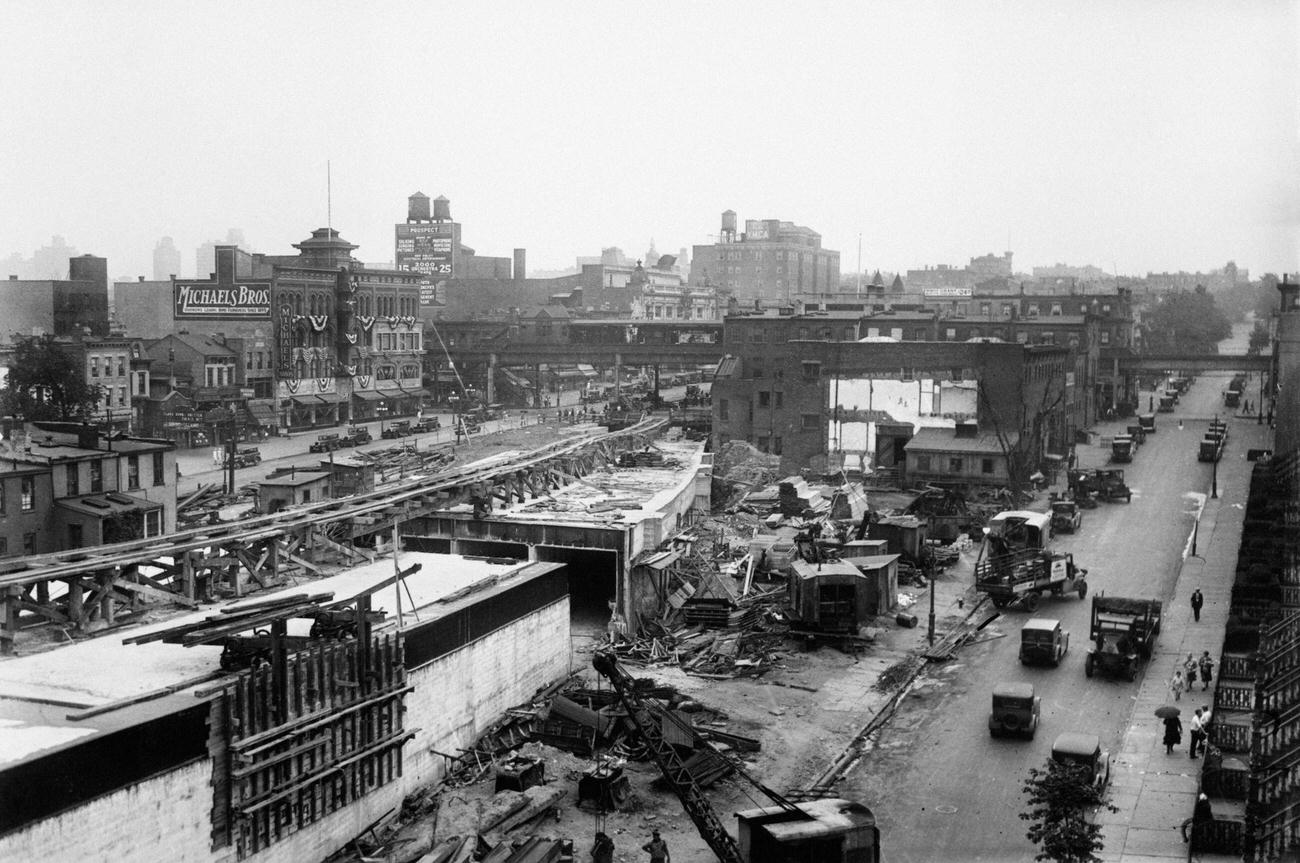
{"x": 192, "y": 564}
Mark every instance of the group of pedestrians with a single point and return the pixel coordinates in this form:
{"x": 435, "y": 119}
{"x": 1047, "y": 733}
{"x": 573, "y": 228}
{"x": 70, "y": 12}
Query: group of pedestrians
{"x": 602, "y": 851}
{"x": 1184, "y": 679}
{"x": 1199, "y": 728}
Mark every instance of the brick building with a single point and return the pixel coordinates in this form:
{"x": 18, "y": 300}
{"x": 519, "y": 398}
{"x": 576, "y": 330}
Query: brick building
{"x": 64, "y": 486}
{"x": 806, "y": 388}
{"x": 771, "y": 259}
{"x": 77, "y": 304}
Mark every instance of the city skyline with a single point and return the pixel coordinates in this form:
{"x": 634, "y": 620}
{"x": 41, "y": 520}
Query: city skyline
{"x": 1158, "y": 138}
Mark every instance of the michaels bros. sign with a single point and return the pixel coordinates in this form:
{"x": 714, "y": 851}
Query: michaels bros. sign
{"x": 206, "y": 300}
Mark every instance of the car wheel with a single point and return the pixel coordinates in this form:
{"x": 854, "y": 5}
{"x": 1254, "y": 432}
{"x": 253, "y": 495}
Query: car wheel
{"x": 1088, "y": 666}
{"x": 1083, "y": 589}
{"x": 1031, "y": 601}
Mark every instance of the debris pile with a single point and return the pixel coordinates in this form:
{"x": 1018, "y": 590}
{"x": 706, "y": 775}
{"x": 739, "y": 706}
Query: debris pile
{"x": 204, "y": 504}
{"x": 392, "y": 463}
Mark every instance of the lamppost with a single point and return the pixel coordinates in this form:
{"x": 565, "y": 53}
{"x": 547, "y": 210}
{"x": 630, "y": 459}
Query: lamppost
{"x": 929, "y": 567}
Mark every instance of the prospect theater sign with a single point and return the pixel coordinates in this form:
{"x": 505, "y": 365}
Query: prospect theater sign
{"x": 208, "y": 300}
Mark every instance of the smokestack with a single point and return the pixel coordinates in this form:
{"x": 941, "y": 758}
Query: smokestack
{"x": 417, "y": 208}
{"x": 521, "y": 268}
{"x": 441, "y": 209}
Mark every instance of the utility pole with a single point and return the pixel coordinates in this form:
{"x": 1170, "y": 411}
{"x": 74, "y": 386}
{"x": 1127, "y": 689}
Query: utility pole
{"x": 231, "y": 449}
{"x": 929, "y": 568}
{"x": 1214, "y": 465}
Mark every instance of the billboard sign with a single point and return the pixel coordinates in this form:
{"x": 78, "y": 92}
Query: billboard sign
{"x": 948, "y": 292}
{"x": 426, "y": 248}
{"x": 209, "y": 300}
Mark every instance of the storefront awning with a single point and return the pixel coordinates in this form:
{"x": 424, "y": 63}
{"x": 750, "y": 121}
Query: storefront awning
{"x": 308, "y": 401}
{"x": 329, "y": 398}
{"x": 416, "y": 394}
{"x": 262, "y": 414}
{"x": 587, "y": 370}
{"x": 367, "y": 395}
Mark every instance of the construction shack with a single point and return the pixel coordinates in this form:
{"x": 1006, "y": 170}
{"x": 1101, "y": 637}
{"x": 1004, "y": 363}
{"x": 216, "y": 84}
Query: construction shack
{"x": 906, "y": 534}
{"x": 351, "y": 476}
{"x": 291, "y": 489}
{"x": 881, "y": 573}
{"x": 829, "y": 597}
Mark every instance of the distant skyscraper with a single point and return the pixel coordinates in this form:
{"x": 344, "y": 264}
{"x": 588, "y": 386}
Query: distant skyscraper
{"x": 166, "y": 260}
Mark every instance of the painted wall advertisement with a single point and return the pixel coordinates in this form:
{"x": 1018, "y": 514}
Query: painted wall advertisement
{"x": 426, "y": 248}
{"x": 206, "y": 300}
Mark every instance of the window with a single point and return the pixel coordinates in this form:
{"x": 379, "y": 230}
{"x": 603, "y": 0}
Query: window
{"x": 28, "y": 493}
{"x": 986, "y": 309}
{"x": 808, "y": 422}
{"x": 1056, "y": 309}
{"x": 74, "y": 536}
{"x": 153, "y": 523}
{"x": 1105, "y": 337}
{"x": 954, "y": 465}
{"x": 133, "y": 471}
{"x": 121, "y": 396}
{"x": 776, "y": 444}
{"x": 96, "y": 476}
{"x": 724, "y": 409}
{"x": 986, "y": 465}
{"x": 950, "y": 334}
{"x": 74, "y": 478}
{"x": 756, "y": 367}
{"x": 764, "y": 443}
{"x": 94, "y": 366}
{"x": 1032, "y": 311}
{"x": 29, "y": 543}
{"x": 923, "y": 463}
{"x": 158, "y": 468}
{"x": 803, "y": 332}
{"x": 812, "y": 370}
{"x": 764, "y": 399}
{"x": 121, "y": 366}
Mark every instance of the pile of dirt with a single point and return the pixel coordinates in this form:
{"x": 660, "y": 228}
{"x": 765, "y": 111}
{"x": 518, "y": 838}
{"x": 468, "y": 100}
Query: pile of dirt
{"x": 738, "y": 468}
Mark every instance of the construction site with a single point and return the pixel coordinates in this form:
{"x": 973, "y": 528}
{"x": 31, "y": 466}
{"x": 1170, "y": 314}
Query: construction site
{"x": 492, "y": 651}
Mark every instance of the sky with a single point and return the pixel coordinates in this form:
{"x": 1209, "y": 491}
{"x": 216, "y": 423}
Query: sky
{"x": 1135, "y": 136}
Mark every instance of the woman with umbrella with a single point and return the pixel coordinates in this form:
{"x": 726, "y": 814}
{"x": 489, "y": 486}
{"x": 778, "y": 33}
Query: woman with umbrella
{"x": 1173, "y": 727}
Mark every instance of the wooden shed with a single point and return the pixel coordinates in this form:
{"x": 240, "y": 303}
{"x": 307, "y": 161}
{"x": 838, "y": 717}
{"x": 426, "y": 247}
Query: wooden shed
{"x": 829, "y": 597}
{"x": 881, "y": 573}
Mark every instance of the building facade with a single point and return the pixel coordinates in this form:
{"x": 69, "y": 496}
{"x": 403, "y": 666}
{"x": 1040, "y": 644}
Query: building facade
{"x": 771, "y": 259}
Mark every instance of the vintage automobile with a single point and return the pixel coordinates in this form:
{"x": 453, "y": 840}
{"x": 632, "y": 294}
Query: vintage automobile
{"x": 245, "y": 456}
{"x": 399, "y": 429}
{"x": 1075, "y": 747}
{"x": 1042, "y": 640}
{"x": 356, "y": 436}
{"x": 1015, "y": 710}
{"x": 1066, "y": 516}
{"x": 1148, "y": 423}
{"x": 426, "y": 425}
{"x": 1111, "y": 485}
{"x": 325, "y": 443}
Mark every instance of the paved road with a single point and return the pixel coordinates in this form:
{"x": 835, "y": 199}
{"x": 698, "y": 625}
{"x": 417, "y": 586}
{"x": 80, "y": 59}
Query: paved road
{"x": 941, "y": 788}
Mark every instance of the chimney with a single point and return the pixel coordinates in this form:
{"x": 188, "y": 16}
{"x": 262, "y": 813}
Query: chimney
{"x": 140, "y": 278}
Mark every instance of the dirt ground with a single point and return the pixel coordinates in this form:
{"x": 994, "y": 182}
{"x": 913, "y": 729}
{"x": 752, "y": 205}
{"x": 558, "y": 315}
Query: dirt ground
{"x": 801, "y": 732}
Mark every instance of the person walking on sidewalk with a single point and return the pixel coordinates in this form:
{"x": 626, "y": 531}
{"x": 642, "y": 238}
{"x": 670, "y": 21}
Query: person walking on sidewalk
{"x": 1197, "y": 734}
{"x": 1177, "y": 684}
{"x": 1189, "y": 671}
{"x": 1197, "y": 602}
{"x": 1173, "y": 733}
{"x": 1207, "y": 670}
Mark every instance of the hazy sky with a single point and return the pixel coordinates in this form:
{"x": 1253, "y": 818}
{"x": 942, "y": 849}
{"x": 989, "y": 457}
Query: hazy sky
{"x": 1134, "y": 135}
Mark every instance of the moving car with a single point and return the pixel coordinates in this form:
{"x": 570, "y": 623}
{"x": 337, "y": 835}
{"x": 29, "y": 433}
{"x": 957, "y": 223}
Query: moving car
{"x": 1076, "y": 747}
{"x": 1042, "y": 640}
{"x": 1015, "y": 710}
{"x": 1066, "y": 516}
{"x": 245, "y": 456}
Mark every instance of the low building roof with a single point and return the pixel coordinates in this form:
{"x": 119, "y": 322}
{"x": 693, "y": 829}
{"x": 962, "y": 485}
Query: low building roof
{"x": 945, "y": 440}
{"x": 294, "y": 479}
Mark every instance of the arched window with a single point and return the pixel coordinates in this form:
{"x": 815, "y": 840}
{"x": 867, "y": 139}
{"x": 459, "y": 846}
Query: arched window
{"x": 300, "y": 369}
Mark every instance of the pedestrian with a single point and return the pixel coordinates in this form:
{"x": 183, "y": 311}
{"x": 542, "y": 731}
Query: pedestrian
{"x": 603, "y": 849}
{"x": 1173, "y": 733}
{"x": 1197, "y": 602}
{"x": 1189, "y": 671}
{"x": 1197, "y": 734}
{"x": 1207, "y": 670}
{"x": 1177, "y": 684}
{"x": 657, "y": 848}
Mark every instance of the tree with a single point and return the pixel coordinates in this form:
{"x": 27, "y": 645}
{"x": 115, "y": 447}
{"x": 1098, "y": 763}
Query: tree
{"x": 1259, "y": 338}
{"x": 1060, "y": 797}
{"x": 1187, "y": 322}
{"x": 46, "y": 383}
{"x": 1020, "y": 428}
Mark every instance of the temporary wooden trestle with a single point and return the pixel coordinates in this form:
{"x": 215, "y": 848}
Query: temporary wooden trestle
{"x": 84, "y": 590}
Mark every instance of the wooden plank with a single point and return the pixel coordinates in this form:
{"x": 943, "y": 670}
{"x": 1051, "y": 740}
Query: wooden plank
{"x": 155, "y": 593}
{"x": 109, "y": 707}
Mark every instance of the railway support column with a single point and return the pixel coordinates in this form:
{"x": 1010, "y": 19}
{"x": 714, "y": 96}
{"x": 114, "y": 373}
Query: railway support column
{"x": 491, "y": 388}
{"x": 9, "y": 620}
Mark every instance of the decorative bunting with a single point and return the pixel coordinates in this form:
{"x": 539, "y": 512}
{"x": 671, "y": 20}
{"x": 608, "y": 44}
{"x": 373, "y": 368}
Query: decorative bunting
{"x": 392, "y": 321}
{"x": 322, "y": 384}
{"x": 364, "y": 381}
{"x": 350, "y": 370}
{"x": 408, "y": 320}
{"x": 351, "y": 337}
{"x": 366, "y": 321}
{"x": 291, "y": 385}
{"x": 319, "y": 322}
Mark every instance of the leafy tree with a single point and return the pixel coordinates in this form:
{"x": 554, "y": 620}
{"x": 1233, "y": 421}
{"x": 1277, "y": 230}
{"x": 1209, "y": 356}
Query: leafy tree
{"x": 47, "y": 383}
{"x": 1258, "y": 338}
{"x": 1060, "y": 797}
{"x": 1187, "y": 322}
{"x": 1266, "y": 298}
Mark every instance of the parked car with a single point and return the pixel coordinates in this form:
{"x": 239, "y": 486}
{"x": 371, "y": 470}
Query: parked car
{"x": 1075, "y": 747}
{"x": 399, "y": 429}
{"x": 1066, "y": 516}
{"x": 431, "y": 424}
{"x": 245, "y": 456}
{"x": 356, "y": 436}
{"x": 1015, "y": 710}
{"x": 1042, "y": 640}
{"x": 325, "y": 443}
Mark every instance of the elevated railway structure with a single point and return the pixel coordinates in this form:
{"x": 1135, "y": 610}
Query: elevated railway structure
{"x": 87, "y": 589}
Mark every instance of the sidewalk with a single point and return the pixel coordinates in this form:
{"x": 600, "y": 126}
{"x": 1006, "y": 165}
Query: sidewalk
{"x": 1155, "y": 792}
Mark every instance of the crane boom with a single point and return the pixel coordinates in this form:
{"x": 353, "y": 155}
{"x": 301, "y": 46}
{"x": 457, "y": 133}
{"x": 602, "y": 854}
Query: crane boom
{"x": 646, "y": 719}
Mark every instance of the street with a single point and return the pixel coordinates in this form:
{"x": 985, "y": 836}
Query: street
{"x": 941, "y": 787}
